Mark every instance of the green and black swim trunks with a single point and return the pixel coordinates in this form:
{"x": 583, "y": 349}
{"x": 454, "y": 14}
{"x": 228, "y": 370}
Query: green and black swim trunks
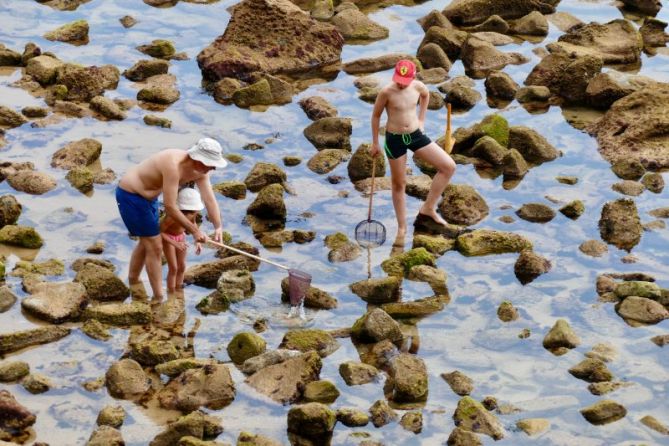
{"x": 397, "y": 143}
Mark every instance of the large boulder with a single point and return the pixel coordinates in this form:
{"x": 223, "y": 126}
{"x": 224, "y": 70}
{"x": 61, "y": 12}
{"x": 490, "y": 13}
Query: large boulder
{"x": 210, "y": 386}
{"x": 246, "y": 47}
{"x": 616, "y": 42}
{"x": 56, "y": 302}
{"x": 284, "y": 382}
{"x": 75, "y": 32}
{"x": 462, "y": 205}
{"x": 606, "y": 88}
{"x": 629, "y": 130}
{"x": 471, "y": 12}
{"x": 619, "y": 224}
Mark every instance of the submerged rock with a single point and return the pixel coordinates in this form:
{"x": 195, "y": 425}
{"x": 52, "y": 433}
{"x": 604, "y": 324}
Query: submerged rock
{"x": 57, "y": 302}
{"x": 533, "y": 426}
{"x": 321, "y": 392}
{"x": 210, "y": 386}
{"x": 284, "y": 382}
{"x": 11, "y": 342}
{"x": 593, "y": 248}
{"x": 482, "y": 242}
{"x": 125, "y": 379}
{"x": 652, "y": 423}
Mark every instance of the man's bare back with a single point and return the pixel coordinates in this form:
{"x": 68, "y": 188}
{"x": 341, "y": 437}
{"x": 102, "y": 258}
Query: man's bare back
{"x": 146, "y": 179}
{"x": 400, "y": 106}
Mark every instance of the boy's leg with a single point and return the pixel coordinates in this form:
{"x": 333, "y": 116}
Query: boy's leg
{"x": 398, "y": 177}
{"x": 136, "y": 263}
{"x": 445, "y": 166}
{"x": 153, "y": 248}
{"x": 172, "y": 265}
{"x": 181, "y": 269}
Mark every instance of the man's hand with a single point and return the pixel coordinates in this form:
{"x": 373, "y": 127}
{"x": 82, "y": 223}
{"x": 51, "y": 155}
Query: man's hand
{"x": 218, "y": 235}
{"x": 375, "y": 149}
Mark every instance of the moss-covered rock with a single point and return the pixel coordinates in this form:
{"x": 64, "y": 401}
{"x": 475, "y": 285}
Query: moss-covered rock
{"x": 160, "y": 48}
{"x": 506, "y": 312}
{"x": 56, "y": 302}
{"x": 654, "y": 182}
{"x": 96, "y": 330}
{"x": 330, "y": 133}
{"x": 531, "y": 145}
{"x": 536, "y": 212}
{"x": 382, "y": 413}
{"x": 604, "y": 412}
{"x": 264, "y": 174}
{"x": 401, "y": 264}
{"x": 10, "y": 210}
{"x": 81, "y": 178}
{"x": 43, "y": 69}
{"x": 561, "y": 338}
{"x": 529, "y": 266}
{"x": 144, "y": 69}
{"x": 639, "y": 288}
{"x": 245, "y": 345}
{"x": 107, "y": 108}
{"x": 269, "y": 203}
{"x": 23, "y": 236}
{"x": 36, "y": 383}
{"x": 573, "y": 209}
{"x": 352, "y": 417}
{"x": 514, "y": 165}
{"x": 375, "y": 326}
{"x": 153, "y": 351}
{"x": 76, "y": 31}
{"x": 462, "y": 205}
{"x": 408, "y": 378}
{"x": 357, "y": 373}
{"x": 231, "y": 189}
{"x": 194, "y": 425}
{"x": 416, "y": 308}
{"x": 258, "y": 93}
{"x": 158, "y": 121}
{"x": 591, "y": 370}
{"x": 134, "y": 313}
{"x": 472, "y": 416}
{"x": 78, "y": 153}
{"x": 485, "y": 242}
{"x": 10, "y": 118}
{"x": 628, "y": 169}
{"x": 9, "y": 58}
{"x": 312, "y": 420}
{"x": 436, "y": 245}
{"x": 159, "y": 94}
{"x": 84, "y": 83}
{"x": 378, "y": 291}
{"x": 101, "y": 283}
{"x": 18, "y": 340}
{"x": 322, "y": 391}
{"x": 12, "y": 371}
{"x": 327, "y": 160}
{"x": 310, "y": 340}
{"x": 111, "y": 416}
{"x": 496, "y": 127}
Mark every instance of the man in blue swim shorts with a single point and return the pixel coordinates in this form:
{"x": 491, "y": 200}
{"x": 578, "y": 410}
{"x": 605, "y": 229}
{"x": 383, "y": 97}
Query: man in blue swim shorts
{"x": 137, "y": 199}
{"x": 404, "y": 131}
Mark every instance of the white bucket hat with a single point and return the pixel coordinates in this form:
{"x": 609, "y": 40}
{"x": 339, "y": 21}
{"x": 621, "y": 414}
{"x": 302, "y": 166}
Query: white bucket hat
{"x": 189, "y": 200}
{"x": 209, "y": 152}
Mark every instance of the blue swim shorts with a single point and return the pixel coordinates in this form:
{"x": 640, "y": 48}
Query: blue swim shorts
{"x": 139, "y": 214}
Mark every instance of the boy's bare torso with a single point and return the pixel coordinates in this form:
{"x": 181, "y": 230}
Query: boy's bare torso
{"x": 401, "y": 107}
{"x": 146, "y": 178}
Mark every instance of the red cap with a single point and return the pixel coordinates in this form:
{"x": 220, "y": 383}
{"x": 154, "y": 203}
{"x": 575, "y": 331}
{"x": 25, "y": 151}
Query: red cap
{"x": 405, "y": 72}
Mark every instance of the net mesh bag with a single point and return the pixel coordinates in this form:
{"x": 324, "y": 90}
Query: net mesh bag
{"x": 370, "y": 233}
{"x": 298, "y": 285}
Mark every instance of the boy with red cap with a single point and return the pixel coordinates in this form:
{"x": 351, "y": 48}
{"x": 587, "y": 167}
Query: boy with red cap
{"x": 404, "y": 131}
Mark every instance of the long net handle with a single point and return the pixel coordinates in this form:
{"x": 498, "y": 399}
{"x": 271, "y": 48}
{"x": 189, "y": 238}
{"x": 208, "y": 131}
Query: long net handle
{"x": 371, "y": 195}
{"x": 247, "y": 254}
{"x": 447, "y": 140}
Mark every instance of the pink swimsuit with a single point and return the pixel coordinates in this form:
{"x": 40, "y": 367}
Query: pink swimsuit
{"x": 177, "y": 238}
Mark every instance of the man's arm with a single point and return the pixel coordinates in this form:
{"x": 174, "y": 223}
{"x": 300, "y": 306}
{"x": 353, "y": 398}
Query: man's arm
{"x": 423, "y": 101}
{"x": 213, "y": 211}
{"x": 170, "y": 192}
{"x": 379, "y": 106}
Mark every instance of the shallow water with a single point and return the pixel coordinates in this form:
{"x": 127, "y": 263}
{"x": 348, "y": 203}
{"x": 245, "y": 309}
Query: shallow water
{"x": 466, "y": 336}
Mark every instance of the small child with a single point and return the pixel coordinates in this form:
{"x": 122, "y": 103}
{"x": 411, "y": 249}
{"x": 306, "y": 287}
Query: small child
{"x": 174, "y": 237}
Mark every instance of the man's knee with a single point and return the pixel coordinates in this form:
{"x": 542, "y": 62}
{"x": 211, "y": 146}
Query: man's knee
{"x": 153, "y": 246}
{"x": 399, "y": 185}
{"x": 447, "y": 167}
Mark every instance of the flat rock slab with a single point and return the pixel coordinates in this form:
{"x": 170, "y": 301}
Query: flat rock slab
{"x": 12, "y": 342}
{"x": 57, "y": 302}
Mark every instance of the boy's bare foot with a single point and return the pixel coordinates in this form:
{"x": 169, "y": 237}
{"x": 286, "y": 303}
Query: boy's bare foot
{"x": 433, "y": 215}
